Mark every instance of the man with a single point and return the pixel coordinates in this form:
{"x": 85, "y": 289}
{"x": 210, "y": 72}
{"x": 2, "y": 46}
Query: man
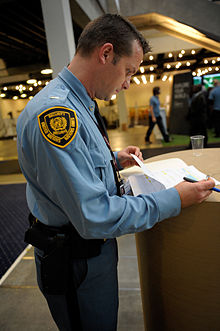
{"x": 198, "y": 113}
{"x": 72, "y": 186}
{"x": 155, "y": 117}
{"x": 214, "y": 98}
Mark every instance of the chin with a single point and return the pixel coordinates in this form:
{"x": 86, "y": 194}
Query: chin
{"x": 107, "y": 98}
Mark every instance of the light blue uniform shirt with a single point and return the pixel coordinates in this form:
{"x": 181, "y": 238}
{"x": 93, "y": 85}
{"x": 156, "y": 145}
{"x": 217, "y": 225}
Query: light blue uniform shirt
{"x": 76, "y": 183}
{"x": 215, "y": 96}
{"x": 155, "y": 103}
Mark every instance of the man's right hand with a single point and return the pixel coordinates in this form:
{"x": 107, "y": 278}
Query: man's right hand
{"x": 192, "y": 193}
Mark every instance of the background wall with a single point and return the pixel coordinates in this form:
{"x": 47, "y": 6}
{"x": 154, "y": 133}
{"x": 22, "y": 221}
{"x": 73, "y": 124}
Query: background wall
{"x": 139, "y": 95}
{"x": 14, "y": 106}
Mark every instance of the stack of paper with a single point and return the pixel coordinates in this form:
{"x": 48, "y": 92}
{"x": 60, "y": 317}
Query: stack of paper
{"x": 162, "y": 174}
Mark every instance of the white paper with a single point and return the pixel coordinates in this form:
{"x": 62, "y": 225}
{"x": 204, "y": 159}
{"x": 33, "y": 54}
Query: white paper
{"x": 142, "y": 184}
{"x": 143, "y": 166}
{"x": 171, "y": 176}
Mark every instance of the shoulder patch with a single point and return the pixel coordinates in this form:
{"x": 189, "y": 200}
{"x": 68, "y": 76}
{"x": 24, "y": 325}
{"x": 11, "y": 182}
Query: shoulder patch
{"x": 58, "y": 125}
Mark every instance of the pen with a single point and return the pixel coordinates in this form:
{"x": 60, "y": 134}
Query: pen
{"x": 190, "y": 180}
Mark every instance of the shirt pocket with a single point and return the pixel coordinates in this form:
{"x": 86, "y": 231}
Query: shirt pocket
{"x": 103, "y": 168}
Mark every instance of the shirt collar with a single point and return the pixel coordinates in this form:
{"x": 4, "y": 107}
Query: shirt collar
{"x": 77, "y": 88}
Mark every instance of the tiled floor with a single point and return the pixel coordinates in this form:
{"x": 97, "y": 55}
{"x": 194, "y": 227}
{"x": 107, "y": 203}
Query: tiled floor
{"x": 22, "y": 307}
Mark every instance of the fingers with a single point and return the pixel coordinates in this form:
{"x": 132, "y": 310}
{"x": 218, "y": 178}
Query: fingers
{"x": 134, "y": 150}
{"x": 208, "y": 184}
{"x": 138, "y": 153}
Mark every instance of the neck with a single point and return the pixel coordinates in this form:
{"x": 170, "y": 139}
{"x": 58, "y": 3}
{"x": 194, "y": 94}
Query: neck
{"x": 82, "y": 68}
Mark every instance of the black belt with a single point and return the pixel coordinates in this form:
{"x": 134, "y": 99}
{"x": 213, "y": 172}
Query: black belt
{"x": 45, "y": 237}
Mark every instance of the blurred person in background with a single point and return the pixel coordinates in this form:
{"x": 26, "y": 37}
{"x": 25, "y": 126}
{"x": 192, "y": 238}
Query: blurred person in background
{"x": 214, "y": 99}
{"x": 198, "y": 113}
{"x": 155, "y": 117}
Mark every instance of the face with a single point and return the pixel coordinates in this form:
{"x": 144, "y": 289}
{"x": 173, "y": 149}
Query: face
{"x": 116, "y": 77}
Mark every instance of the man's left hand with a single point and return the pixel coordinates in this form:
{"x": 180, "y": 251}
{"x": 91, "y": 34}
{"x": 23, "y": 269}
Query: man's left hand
{"x": 125, "y": 159}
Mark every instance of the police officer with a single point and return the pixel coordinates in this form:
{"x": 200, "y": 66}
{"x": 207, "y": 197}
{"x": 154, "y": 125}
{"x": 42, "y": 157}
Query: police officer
{"x": 72, "y": 185}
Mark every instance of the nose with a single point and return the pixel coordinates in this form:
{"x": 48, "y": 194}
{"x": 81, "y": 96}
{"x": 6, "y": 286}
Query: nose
{"x": 126, "y": 84}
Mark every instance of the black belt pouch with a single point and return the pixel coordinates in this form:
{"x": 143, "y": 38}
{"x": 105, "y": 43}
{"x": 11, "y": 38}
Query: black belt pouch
{"x": 55, "y": 261}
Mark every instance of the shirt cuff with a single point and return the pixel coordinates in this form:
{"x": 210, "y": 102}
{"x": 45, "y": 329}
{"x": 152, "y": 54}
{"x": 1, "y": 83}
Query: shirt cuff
{"x": 117, "y": 161}
{"x": 168, "y": 202}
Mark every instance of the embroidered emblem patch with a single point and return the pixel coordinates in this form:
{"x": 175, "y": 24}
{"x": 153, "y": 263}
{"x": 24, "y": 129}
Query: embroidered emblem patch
{"x": 58, "y": 125}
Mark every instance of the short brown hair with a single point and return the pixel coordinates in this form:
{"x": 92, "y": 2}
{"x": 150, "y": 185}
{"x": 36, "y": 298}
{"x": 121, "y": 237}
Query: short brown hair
{"x": 156, "y": 90}
{"x": 114, "y": 29}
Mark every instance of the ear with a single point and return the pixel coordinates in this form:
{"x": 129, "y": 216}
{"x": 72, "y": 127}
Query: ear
{"x": 106, "y": 53}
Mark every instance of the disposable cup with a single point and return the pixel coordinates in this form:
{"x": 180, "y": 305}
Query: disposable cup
{"x": 197, "y": 144}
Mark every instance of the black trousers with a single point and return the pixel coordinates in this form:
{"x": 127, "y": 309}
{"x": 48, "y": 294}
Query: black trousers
{"x": 159, "y": 122}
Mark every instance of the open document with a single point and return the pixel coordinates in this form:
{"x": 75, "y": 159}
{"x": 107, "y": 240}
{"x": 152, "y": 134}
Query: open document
{"x": 164, "y": 174}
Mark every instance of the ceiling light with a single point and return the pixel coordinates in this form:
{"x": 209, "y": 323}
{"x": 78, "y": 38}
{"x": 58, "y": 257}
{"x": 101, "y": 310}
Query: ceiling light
{"x": 151, "y": 68}
{"x": 218, "y": 58}
{"x": 151, "y": 57}
{"x": 193, "y": 51}
{"x": 15, "y": 97}
{"x": 39, "y": 82}
{"x": 210, "y": 69}
{"x": 31, "y": 88}
{"x": 194, "y": 73}
{"x": 2, "y": 95}
{"x": 168, "y": 66}
{"x": 151, "y": 78}
{"x": 164, "y": 78}
{"x": 188, "y": 64}
{"x": 170, "y": 55}
{"x": 180, "y": 55}
{"x": 213, "y": 61}
{"x": 46, "y": 71}
{"x": 144, "y": 79}
{"x": 23, "y": 95}
{"x": 5, "y": 88}
{"x": 136, "y": 80}
{"x": 113, "y": 97}
{"x": 206, "y": 61}
{"x": 217, "y": 68}
{"x": 142, "y": 70}
{"x": 30, "y": 97}
{"x": 183, "y": 52}
{"x": 31, "y": 81}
